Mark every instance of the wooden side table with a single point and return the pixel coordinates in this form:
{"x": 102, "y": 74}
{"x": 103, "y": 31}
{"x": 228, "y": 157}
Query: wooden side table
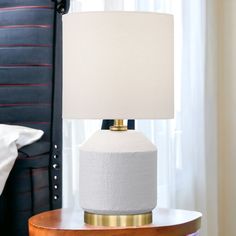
{"x": 66, "y": 222}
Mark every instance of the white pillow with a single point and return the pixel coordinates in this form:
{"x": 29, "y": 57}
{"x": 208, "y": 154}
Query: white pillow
{"x": 12, "y": 138}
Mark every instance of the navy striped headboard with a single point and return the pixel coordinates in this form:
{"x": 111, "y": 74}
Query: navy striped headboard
{"x": 27, "y": 63}
{"x": 31, "y": 95}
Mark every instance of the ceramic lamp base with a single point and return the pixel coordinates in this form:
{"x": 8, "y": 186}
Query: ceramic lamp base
{"x": 118, "y": 220}
{"x": 118, "y": 178}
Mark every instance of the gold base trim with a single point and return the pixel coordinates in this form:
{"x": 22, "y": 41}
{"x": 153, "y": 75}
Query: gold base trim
{"x": 118, "y": 220}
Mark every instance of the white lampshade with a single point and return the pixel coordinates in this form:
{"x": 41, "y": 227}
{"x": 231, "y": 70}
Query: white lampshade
{"x": 118, "y": 65}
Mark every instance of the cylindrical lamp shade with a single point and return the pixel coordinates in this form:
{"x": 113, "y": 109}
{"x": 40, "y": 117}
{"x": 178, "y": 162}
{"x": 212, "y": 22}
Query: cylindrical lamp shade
{"x": 118, "y": 65}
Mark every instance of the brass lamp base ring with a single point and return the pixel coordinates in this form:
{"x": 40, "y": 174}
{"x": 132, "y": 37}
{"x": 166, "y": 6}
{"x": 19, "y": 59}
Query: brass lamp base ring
{"x": 118, "y": 220}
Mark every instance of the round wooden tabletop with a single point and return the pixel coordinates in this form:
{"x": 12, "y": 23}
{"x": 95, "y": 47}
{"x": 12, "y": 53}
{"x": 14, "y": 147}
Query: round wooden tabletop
{"x": 68, "y": 222}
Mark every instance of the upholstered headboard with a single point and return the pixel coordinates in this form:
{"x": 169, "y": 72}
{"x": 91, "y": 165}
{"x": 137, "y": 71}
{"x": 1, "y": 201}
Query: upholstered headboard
{"x": 31, "y": 94}
{"x": 27, "y": 63}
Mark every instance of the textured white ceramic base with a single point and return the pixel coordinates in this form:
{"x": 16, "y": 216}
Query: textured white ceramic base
{"x": 118, "y": 173}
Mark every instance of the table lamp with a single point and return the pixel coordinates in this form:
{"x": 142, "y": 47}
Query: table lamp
{"x": 118, "y": 65}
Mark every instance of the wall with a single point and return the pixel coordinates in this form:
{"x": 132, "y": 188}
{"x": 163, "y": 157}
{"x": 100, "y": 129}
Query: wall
{"x": 211, "y": 116}
{"x": 227, "y": 117}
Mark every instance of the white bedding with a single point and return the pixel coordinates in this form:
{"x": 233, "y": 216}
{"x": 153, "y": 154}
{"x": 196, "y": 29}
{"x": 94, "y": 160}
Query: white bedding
{"x": 12, "y": 138}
